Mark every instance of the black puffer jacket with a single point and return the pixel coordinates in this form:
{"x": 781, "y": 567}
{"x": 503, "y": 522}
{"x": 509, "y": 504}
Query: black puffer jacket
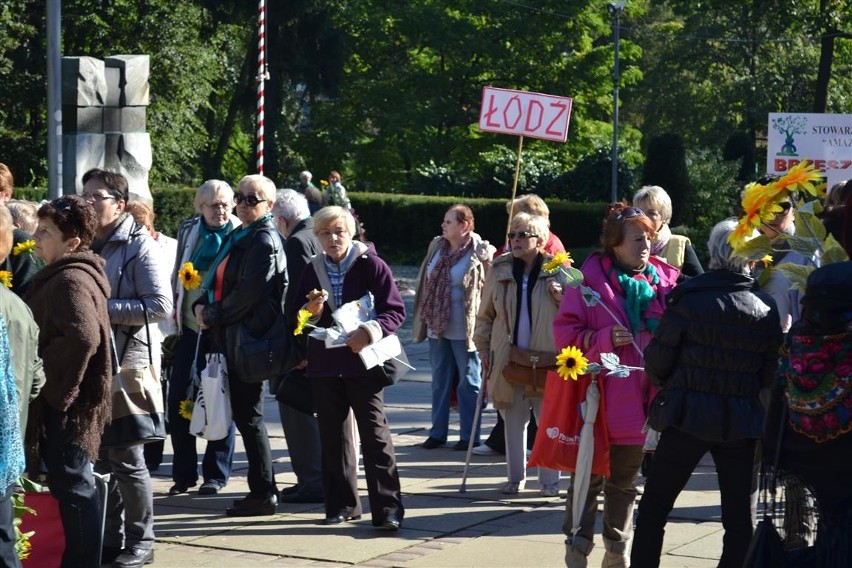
{"x": 715, "y": 349}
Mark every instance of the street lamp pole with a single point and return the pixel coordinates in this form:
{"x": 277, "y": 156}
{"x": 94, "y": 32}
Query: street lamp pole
{"x": 615, "y": 10}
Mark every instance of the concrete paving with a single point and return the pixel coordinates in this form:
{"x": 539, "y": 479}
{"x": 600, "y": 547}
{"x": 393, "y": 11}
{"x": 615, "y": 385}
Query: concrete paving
{"x": 443, "y": 527}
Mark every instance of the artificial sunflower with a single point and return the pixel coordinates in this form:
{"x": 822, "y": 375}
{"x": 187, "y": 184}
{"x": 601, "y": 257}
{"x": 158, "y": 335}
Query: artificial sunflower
{"x": 301, "y": 321}
{"x": 185, "y": 410}
{"x": 766, "y": 260}
{"x": 6, "y": 278}
{"x": 557, "y": 261}
{"x": 800, "y": 177}
{"x": 26, "y": 246}
{"x": 189, "y": 276}
{"x": 571, "y": 363}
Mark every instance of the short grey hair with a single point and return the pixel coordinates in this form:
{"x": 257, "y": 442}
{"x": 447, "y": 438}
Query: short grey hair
{"x": 306, "y": 175}
{"x": 208, "y": 191}
{"x": 721, "y": 252}
{"x": 291, "y": 206}
{"x": 328, "y": 215}
{"x": 264, "y": 186}
{"x": 535, "y": 224}
{"x": 654, "y": 197}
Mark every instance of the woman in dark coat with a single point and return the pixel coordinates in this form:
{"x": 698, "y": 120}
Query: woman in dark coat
{"x": 715, "y": 350}
{"x": 68, "y": 298}
{"x": 345, "y": 272}
{"x": 244, "y": 287}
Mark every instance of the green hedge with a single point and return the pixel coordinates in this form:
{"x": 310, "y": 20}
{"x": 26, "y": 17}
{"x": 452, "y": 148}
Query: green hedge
{"x": 402, "y": 226}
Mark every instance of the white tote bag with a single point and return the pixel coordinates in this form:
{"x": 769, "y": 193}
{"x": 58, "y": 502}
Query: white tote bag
{"x": 211, "y": 414}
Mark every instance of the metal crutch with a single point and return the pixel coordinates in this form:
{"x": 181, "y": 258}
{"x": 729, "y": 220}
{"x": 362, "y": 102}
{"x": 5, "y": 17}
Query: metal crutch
{"x": 476, "y": 415}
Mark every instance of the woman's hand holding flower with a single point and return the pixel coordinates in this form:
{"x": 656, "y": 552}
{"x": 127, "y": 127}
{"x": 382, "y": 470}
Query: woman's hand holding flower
{"x": 358, "y": 340}
{"x": 621, "y": 336}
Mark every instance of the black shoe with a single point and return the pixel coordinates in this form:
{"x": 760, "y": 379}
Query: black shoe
{"x": 340, "y": 519}
{"x": 109, "y": 553}
{"x": 253, "y": 507}
{"x": 289, "y": 490}
{"x": 134, "y": 558}
{"x": 179, "y": 488}
{"x": 461, "y": 446}
{"x": 391, "y": 523}
{"x": 432, "y": 443}
{"x": 302, "y": 498}
{"x": 209, "y": 488}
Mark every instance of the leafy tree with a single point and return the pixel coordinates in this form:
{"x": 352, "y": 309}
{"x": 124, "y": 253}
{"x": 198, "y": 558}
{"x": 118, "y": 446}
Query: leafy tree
{"x": 665, "y": 165}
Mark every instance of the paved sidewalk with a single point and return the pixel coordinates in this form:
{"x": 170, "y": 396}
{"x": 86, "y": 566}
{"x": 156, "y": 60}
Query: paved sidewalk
{"x": 442, "y": 527}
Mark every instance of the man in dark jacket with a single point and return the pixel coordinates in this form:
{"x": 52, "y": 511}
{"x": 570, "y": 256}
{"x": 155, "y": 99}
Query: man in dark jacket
{"x": 715, "y": 350}
{"x": 292, "y": 217}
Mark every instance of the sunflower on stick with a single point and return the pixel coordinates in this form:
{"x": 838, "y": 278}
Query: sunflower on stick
{"x": 760, "y": 204}
{"x": 571, "y": 363}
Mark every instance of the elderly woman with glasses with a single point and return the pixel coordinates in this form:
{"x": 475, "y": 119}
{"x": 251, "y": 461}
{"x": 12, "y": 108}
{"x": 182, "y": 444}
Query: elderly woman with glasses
{"x": 244, "y": 286}
{"x": 716, "y": 348}
{"x": 519, "y": 302}
{"x": 200, "y": 238}
{"x": 69, "y": 300}
{"x": 633, "y": 285}
{"x": 345, "y": 272}
{"x": 448, "y": 294}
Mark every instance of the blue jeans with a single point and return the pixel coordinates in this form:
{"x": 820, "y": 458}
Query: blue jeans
{"x": 69, "y": 474}
{"x": 130, "y": 499}
{"x": 448, "y": 356}
{"x": 219, "y": 454}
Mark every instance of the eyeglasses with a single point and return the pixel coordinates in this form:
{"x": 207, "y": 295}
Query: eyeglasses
{"x": 251, "y": 200}
{"x": 97, "y": 197}
{"x": 629, "y": 213}
{"x": 521, "y": 235}
{"x": 218, "y": 206}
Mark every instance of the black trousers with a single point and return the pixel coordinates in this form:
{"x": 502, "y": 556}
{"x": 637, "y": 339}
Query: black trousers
{"x": 676, "y": 457}
{"x": 334, "y": 397}
{"x": 247, "y": 407}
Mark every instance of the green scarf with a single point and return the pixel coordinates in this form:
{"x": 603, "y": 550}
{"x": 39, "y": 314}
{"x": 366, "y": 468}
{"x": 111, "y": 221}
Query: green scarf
{"x": 209, "y": 242}
{"x": 210, "y": 280}
{"x": 638, "y": 295}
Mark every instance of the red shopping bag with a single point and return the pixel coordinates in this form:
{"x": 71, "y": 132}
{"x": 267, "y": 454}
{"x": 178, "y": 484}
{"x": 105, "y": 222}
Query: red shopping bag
{"x": 48, "y": 542}
{"x": 558, "y": 440}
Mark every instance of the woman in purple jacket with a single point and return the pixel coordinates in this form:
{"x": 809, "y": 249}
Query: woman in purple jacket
{"x": 345, "y": 272}
{"x": 632, "y": 286}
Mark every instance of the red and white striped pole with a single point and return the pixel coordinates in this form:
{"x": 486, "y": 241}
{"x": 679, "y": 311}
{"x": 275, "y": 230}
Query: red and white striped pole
{"x": 262, "y": 76}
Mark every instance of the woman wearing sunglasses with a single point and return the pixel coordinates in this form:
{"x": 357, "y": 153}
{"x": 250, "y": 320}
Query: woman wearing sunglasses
{"x": 519, "y": 303}
{"x": 448, "y": 293}
{"x": 633, "y": 285}
{"x": 244, "y": 286}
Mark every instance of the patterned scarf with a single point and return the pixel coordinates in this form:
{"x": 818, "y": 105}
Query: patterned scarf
{"x": 210, "y": 241}
{"x": 663, "y": 237}
{"x": 639, "y": 288}
{"x": 438, "y": 298}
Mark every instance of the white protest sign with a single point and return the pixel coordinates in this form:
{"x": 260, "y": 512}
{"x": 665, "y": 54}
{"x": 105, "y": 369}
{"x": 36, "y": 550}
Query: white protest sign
{"x": 522, "y": 113}
{"x": 825, "y": 139}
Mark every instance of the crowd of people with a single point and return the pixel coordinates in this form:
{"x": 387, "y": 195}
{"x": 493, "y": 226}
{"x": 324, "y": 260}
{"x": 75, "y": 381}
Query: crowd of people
{"x": 98, "y": 291}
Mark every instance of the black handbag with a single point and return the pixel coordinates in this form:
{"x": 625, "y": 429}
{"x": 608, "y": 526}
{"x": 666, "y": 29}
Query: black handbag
{"x": 295, "y": 391}
{"x": 256, "y": 359}
{"x": 391, "y": 371}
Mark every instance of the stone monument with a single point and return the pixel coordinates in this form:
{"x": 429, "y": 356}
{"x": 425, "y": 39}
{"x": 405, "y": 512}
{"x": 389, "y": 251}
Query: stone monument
{"x": 104, "y": 105}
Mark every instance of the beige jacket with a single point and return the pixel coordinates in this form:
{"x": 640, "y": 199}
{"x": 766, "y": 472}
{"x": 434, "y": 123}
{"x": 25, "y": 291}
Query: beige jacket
{"x": 474, "y": 280}
{"x": 495, "y": 322}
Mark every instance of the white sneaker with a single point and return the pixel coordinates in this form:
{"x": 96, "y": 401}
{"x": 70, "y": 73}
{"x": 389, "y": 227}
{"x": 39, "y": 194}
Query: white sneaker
{"x": 550, "y": 490}
{"x": 484, "y": 450}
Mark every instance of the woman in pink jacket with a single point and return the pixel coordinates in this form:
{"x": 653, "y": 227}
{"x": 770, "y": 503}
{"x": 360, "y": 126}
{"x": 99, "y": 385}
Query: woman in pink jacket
{"x": 632, "y": 286}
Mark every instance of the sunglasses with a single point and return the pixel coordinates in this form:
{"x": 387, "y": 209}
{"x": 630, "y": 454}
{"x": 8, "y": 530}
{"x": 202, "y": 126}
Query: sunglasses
{"x": 521, "y": 235}
{"x": 251, "y": 200}
{"x": 61, "y": 204}
{"x": 785, "y": 206}
{"x": 629, "y": 213}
